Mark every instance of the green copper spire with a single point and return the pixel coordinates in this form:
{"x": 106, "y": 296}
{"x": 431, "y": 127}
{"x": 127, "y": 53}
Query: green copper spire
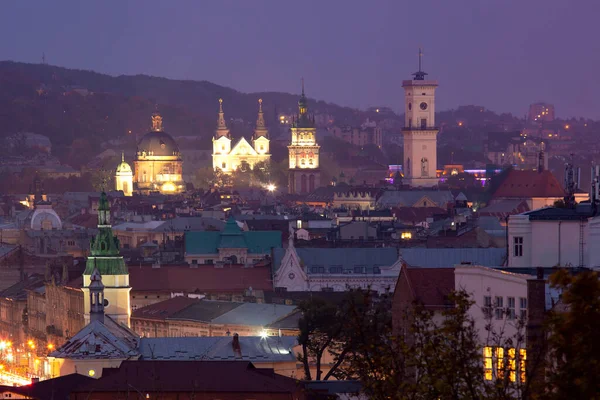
{"x": 104, "y": 247}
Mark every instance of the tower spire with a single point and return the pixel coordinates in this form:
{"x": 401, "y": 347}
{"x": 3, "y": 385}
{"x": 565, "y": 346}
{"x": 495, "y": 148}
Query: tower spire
{"x": 260, "y": 121}
{"x": 420, "y": 74}
{"x": 302, "y": 86}
{"x": 122, "y": 156}
{"x": 221, "y": 125}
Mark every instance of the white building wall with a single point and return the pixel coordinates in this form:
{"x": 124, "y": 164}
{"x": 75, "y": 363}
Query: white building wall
{"x": 480, "y": 282}
{"x": 550, "y": 243}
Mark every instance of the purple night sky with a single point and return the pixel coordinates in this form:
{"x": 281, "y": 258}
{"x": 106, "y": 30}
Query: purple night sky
{"x": 502, "y": 54}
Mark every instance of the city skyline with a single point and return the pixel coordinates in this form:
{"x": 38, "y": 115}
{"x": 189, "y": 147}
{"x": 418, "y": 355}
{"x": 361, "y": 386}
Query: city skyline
{"x": 500, "y": 56}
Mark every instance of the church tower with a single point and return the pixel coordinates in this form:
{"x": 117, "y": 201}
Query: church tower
{"x": 420, "y": 132}
{"x": 106, "y": 260}
{"x": 304, "y": 174}
{"x": 124, "y": 177}
{"x": 260, "y": 139}
{"x": 221, "y": 142}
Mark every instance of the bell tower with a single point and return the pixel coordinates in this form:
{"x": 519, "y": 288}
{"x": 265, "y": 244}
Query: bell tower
{"x": 221, "y": 143}
{"x": 105, "y": 260}
{"x": 420, "y": 131}
{"x": 304, "y": 172}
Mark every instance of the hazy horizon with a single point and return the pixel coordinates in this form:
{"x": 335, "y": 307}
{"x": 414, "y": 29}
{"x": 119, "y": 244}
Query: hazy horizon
{"x": 503, "y": 56}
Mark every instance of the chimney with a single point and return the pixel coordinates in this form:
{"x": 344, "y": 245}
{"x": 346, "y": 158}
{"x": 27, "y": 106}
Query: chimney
{"x": 535, "y": 335}
{"x": 235, "y": 344}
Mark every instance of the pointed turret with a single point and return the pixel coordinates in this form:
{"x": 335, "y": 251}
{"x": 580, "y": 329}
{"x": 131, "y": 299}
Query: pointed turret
{"x": 303, "y": 120}
{"x": 261, "y": 129}
{"x": 221, "y": 125}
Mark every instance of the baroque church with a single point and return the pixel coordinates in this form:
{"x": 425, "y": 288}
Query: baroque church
{"x": 243, "y": 156}
{"x": 158, "y": 166}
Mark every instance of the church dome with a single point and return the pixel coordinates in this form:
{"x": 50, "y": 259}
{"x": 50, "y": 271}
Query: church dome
{"x": 158, "y": 143}
{"x": 124, "y": 168}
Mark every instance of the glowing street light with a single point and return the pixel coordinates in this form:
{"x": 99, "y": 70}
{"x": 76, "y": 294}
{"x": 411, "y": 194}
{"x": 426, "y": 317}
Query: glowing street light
{"x": 271, "y": 187}
{"x": 264, "y": 334}
{"x": 50, "y": 346}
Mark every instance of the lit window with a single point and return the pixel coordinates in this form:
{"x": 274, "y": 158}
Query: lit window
{"x": 512, "y": 364}
{"x": 522, "y": 365}
{"x": 406, "y": 235}
{"x": 487, "y": 363}
{"x": 499, "y": 358}
{"x": 518, "y": 246}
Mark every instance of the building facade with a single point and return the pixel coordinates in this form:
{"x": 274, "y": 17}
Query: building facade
{"x": 335, "y": 270}
{"x": 105, "y": 257}
{"x": 158, "y": 164}
{"x": 243, "y": 156}
{"x": 359, "y": 136}
{"x": 304, "y": 173}
{"x": 420, "y": 132}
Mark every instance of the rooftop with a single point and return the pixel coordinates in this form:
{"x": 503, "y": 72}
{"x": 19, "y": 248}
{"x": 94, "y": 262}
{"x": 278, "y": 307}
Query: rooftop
{"x": 529, "y": 184}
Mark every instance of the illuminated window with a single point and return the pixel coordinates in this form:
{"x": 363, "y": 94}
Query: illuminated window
{"x": 522, "y": 365}
{"x": 406, "y": 235}
{"x": 512, "y": 364}
{"x": 223, "y": 148}
{"x": 499, "y": 358}
{"x": 223, "y": 165}
{"x": 487, "y": 363}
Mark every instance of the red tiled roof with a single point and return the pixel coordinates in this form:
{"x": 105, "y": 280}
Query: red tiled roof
{"x": 204, "y": 279}
{"x": 192, "y": 376}
{"x": 528, "y": 184}
{"x": 430, "y": 286}
{"x": 164, "y": 309}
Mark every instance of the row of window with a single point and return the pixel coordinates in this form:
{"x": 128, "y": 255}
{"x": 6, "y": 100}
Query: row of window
{"x": 499, "y": 363}
{"x": 343, "y": 270}
{"x": 499, "y": 311}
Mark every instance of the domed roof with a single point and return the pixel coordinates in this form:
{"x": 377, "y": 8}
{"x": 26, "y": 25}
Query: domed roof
{"x": 123, "y": 167}
{"x": 159, "y": 144}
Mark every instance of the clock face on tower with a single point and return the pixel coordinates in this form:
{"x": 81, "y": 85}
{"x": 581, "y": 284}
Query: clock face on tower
{"x": 423, "y": 106}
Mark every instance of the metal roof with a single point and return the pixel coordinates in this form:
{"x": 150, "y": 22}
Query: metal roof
{"x": 341, "y": 257}
{"x": 439, "y": 258}
{"x": 218, "y": 348}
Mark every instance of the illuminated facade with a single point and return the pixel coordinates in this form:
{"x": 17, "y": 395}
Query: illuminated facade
{"x": 304, "y": 174}
{"x": 124, "y": 177}
{"x": 420, "y": 133}
{"x": 158, "y": 163}
{"x": 242, "y": 156}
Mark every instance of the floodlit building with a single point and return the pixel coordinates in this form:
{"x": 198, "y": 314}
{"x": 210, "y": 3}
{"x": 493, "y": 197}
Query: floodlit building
{"x": 242, "y": 156}
{"x": 158, "y": 164}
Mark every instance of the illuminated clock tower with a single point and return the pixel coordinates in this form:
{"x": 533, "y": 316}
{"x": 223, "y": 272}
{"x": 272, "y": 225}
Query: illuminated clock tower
{"x": 304, "y": 173}
{"x": 420, "y": 132}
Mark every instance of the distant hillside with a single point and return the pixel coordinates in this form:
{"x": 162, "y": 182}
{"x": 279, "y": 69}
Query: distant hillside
{"x": 52, "y": 101}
